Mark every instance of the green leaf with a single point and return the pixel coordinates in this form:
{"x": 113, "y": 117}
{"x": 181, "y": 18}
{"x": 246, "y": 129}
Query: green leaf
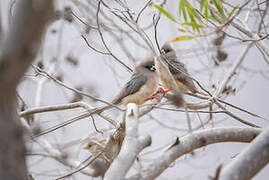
{"x": 193, "y": 24}
{"x": 182, "y": 38}
{"x": 190, "y": 14}
{"x": 181, "y": 30}
{"x": 206, "y": 10}
{"x": 196, "y": 15}
{"x": 232, "y": 12}
{"x": 214, "y": 16}
{"x": 167, "y": 14}
{"x": 185, "y": 15}
{"x": 202, "y": 4}
{"x": 182, "y": 9}
{"x": 219, "y": 7}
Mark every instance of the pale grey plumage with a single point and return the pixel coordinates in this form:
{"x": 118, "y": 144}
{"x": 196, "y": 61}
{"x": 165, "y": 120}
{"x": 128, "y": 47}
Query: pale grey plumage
{"x": 178, "y": 70}
{"x": 142, "y": 84}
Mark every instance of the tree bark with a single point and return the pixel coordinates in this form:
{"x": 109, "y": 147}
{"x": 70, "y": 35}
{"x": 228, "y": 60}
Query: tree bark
{"x": 12, "y": 150}
{"x": 18, "y": 51}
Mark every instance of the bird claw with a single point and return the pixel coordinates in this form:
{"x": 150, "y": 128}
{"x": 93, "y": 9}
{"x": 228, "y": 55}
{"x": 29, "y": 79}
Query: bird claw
{"x": 161, "y": 90}
{"x": 155, "y": 96}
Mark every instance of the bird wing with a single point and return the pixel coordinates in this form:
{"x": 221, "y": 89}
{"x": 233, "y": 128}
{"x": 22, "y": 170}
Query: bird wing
{"x": 132, "y": 86}
{"x": 181, "y": 74}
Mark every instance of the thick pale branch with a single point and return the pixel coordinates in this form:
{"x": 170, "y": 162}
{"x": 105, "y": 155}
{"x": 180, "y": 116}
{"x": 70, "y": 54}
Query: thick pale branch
{"x": 52, "y": 108}
{"x": 194, "y": 141}
{"x": 250, "y": 161}
{"x": 133, "y": 143}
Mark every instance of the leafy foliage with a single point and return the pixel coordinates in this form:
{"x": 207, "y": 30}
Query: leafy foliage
{"x": 189, "y": 16}
{"x": 182, "y": 38}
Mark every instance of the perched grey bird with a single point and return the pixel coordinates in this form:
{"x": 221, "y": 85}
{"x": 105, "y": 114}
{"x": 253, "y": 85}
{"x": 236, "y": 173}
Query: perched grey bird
{"x": 142, "y": 84}
{"x": 178, "y": 70}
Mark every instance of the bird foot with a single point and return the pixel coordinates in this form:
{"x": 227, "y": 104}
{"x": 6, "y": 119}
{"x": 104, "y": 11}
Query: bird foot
{"x": 155, "y": 96}
{"x": 161, "y": 90}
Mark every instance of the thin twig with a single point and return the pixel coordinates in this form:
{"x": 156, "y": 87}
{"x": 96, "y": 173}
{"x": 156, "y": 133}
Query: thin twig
{"x": 236, "y": 117}
{"x": 141, "y": 11}
{"x": 93, "y": 48}
{"x": 94, "y": 125}
{"x": 103, "y": 40}
{"x": 81, "y": 168}
{"x": 44, "y": 73}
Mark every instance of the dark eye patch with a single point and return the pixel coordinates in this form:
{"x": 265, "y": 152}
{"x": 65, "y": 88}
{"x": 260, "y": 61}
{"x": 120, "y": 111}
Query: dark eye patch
{"x": 164, "y": 51}
{"x": 151, "y": 67}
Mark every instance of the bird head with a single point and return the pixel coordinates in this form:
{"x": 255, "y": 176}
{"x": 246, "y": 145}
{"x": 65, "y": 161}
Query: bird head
{"x": 166, "y": 48}
{"x": 146, "y": 64}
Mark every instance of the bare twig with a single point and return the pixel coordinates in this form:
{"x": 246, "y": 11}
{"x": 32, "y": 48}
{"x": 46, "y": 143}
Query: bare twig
{"x": 93, "y": 48}
{"x": 141, "y": 11}
{"x": 236, "y": 117}
{"x": 103, "y": 40}
{"x": 232, "y": 70}
{"x": 44, "y": 73}
{"x": 80, "y": 168}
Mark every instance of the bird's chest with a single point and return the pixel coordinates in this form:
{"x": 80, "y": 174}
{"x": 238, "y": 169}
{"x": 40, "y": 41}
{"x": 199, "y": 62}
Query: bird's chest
{"x": 142, "y": 94}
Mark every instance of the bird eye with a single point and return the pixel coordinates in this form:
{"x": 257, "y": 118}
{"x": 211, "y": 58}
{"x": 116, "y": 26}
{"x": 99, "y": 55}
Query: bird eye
{"x": 164, "y": 51}
{"x": 152, "y": 68}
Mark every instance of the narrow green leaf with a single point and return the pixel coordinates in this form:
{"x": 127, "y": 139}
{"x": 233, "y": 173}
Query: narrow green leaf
{"x": 219, "y": 7}
{"x": 202, "y": 4}
{"x": 182, "y": 38}
{"x": 232, "y": 12}
{"x": 167, "y": 14}
{"x": 195, "y": 14}
{"x": 190, "y": 14}
{"x": 181, "y": 30}
{"x": 206, "y": 10}
{"x": 193, "y": 24}
{"x": 185, "y": 15}
{"x": 181, "y": 6}
{"x": 184, "y": 4}
{"x": 215, "y": 16}
{"x": 212, "y": 18}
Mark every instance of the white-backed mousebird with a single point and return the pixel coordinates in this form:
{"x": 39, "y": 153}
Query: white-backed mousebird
{"x": 142, "y": 84}
{"x": 178, "y": 71}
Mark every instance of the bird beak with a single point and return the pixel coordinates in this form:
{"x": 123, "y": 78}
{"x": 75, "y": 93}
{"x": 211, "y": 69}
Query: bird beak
{"x": 162, "y": 51}
{"x": 153, "y": 68}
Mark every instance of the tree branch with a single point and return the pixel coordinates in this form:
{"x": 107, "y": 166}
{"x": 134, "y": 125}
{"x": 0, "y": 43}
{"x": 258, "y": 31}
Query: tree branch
{"x": 18, "y": 51}
{"x": 133, "y": 143}
{"x": 194, "y": 141}
{"x": 22, "y": 42}
{"x": 232, "y": 70}
{"x": 50, "y": 108}
{"x": 250, "y": 161}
